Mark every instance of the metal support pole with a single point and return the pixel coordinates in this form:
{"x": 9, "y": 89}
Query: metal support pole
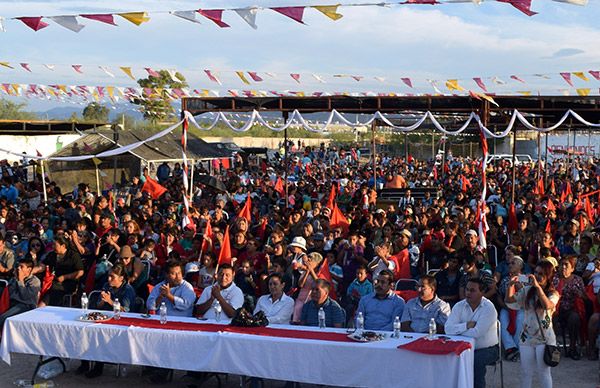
{"x": 44, "y": 182}
{"x": 406, "y": 147}
{"x": 546, "y": 162}
{"x": 285, "y": 148}
{"x": 433, "y": 145}
{"x": 374, "y": 155}
{"x": 192, "y": 179}
{"x": 539, "y": 155}
{"x": 514, "y": 165}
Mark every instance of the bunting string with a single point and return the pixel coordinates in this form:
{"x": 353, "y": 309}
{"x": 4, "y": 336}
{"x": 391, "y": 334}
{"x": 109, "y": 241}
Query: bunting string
{"x": 297, "y": 119}
{"x": 247, "y": 14}
{"x": 249, "y": 77}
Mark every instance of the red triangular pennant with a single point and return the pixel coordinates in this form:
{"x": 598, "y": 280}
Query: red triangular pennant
{"x": 294, "y": 13}
{"x": 104, "y": 18}
{"x": 246, "y": 211}
{"x": 214, "y": 15}
{"x": 35, "y": 23}
{"x": 522, "y": 5}
{"x": 338, "y": 219}
{"x": 513, "y": 223}
{"x": 324, "y": 273}
{"x": 567, "y": 78}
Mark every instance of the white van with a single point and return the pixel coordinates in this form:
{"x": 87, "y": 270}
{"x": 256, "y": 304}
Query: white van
{"x": 519, "y": 158}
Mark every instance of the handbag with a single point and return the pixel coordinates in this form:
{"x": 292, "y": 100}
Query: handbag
{"x": 551, "y": 352}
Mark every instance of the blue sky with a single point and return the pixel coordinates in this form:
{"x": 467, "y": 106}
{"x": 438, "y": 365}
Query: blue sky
{"x": 417, "y": 41}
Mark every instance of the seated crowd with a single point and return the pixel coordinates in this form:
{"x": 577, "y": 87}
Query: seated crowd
{"x": 419, "y": 260}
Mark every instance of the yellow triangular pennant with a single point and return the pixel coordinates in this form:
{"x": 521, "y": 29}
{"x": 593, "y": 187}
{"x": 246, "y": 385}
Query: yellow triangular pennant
{"x": 452, "y": 84}
{"x": 525, "y": 93}
{"x": 62, "y": 88}
{"x": 16, "y": 88}
{"x": 584, "y": 92}
{"x": 330, "y": 11}
{"x": 242, "y": 77}
{"x": 581, "y": 75}
{"x": 205, "y": 92}
{"x": 136, "y": 18}
{"x": 96, "y": 96}
{"x": 96, "y": 161}
{"x": 6, "y": 64}
{"x": 127, "y": 70}
{"x": 111, "y": 92}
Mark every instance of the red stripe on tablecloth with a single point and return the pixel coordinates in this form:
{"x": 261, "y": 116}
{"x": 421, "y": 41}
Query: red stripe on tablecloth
{"x": 209, "y": 327}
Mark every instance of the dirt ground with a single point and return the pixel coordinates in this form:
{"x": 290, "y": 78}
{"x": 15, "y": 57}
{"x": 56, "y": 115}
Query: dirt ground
{"x": 576, "y": 374}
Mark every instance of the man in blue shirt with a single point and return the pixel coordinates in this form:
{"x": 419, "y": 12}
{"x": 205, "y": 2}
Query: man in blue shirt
{"x": 419, "y": 311}
{"x": 177, "y": 293}
{"x": 379, "y": 308}
{"x": 334, "y": 314}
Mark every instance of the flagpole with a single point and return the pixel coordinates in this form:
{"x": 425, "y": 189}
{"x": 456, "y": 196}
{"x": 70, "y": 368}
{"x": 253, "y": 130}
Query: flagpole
{"x": 192, "y": 180}
{"x": 44, "y": 182}
{"x": 97, "y": 180}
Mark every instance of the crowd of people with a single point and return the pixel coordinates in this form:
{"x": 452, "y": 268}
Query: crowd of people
{"x": 327, "y": 243}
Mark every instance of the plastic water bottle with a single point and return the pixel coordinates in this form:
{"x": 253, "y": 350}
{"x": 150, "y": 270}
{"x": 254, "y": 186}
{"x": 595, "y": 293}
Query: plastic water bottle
{"x": 397, "y": 326}
{"x": 360, "y": 321}
{"x": 84, "y": 302}
{"x": 432, "y": 328}
{"x": 321, "y": 318}
{"x": 163, "y": 313}
{"x": 218, "y": 310}
{"x": 117, "y": 308}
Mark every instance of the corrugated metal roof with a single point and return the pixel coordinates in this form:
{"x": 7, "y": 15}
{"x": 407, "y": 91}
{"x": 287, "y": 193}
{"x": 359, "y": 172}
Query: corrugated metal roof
{"x": 165, "y": 148}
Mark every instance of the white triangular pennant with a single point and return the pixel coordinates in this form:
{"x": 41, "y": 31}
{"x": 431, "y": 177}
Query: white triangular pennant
{"x": 49, "y": 67}
{"x": 2, "y": 24}
{"x": 173, "y": 75}
{"x": 68, "y": 21}
{"x": 249, "y": 15}
{"x": 187, "y": 15}
{"x": 104, "y": 69}
{"x": 318, "y": 78}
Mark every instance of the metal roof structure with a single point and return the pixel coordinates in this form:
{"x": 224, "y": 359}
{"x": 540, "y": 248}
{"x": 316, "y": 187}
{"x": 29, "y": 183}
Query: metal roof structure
{"x": 545, "y": 110}
{"x": 35, "y": 127}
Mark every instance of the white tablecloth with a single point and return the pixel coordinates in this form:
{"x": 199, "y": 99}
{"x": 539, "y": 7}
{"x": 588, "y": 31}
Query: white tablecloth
{"x": 54, "y": 331}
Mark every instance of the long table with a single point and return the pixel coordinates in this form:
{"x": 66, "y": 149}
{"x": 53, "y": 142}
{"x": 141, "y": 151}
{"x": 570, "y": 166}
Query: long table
{"x": 55, "y": 331}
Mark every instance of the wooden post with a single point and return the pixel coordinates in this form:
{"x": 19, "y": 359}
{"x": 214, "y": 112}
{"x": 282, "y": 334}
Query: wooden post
{"x": 374, "y": 155}
{"x": 44, "y": 182}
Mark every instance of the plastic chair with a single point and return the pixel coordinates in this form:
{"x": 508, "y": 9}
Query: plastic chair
{"x": 406, "y": 285}
{"x": 433, "y": 271}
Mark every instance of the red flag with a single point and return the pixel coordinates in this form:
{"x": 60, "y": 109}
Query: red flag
{"x": 225, "y": 252}
{"x": 435, "y": 173}
{"x": 588, "y": 209}
{"x": 246, "y": 211}
{"x": 552, "y": 187}
{"x": 484, "y": 143}
{"x": 540, "y": 187}
{"x": 338, "y": 219}
{"x": 279, "y": 187}
{"x": 153, "y": 188}
{"x": 90, "y": 280}
{"x": 550, "y": 205}
{"x": 104, "y": 18}
{"x": 47, "y": 282}
{"x": 214, "y": 15}
{"x": 513, "y": 224}
{"x": 324, "y": 273}
{"x": 548, "y": 228}
{"x": 581, "y": 225}
{"x": 566, "y": 192}
{"x": 260, "y": 233}
{"x": 332, "y": 193}
{"x": 4, "y": 300}
{"x": 207, "y": 233}
{"x": 465, "y": 184}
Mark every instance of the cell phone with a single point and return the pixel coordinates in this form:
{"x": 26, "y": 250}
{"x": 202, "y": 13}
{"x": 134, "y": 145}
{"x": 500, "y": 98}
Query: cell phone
{"x": 523, "y": 279}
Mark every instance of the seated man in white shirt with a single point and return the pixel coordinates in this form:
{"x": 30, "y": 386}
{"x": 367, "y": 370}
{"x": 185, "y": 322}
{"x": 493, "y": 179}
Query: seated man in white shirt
{"x": 277, "y": 306}
{"x": 223, "y": 293}
{"x": 177, "y": 293}
{"x": 475, "y": 317}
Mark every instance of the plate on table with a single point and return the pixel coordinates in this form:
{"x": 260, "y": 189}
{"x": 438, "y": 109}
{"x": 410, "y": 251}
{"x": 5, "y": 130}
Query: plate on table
{"x": 95, "y": 317}
{"x": 366, "y": 336}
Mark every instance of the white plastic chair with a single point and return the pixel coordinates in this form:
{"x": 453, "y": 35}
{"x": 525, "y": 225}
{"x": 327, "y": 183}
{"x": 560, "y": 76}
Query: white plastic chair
{"x": 406, "y": 284}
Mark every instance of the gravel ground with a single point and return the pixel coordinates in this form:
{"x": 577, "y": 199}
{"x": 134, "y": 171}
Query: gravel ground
{"x": 577, "y": 374}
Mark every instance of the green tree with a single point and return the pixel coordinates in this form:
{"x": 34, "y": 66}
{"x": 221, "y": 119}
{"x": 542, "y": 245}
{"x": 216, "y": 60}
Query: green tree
{"x": 96, "y": 112}
{"x": 14, "y": 111}
{"x": 157, "y": 105}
